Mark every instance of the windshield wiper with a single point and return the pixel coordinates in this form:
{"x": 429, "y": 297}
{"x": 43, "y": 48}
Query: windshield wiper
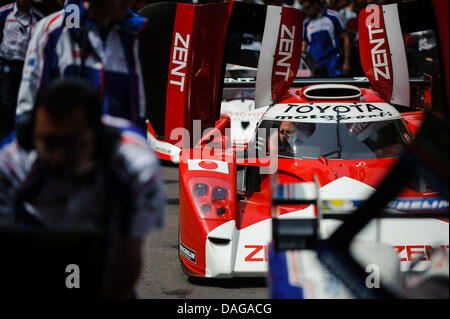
{"x": 339, "y": 143}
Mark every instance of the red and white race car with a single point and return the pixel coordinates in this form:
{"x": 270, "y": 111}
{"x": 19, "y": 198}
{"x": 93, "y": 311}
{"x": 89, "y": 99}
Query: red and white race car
{"x": 225, "y": 206}
{"x": 343, "y": 138}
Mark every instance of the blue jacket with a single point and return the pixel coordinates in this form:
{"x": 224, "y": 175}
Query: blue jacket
{"x": 323, "y": 37}
{"x": 112, "y": 66}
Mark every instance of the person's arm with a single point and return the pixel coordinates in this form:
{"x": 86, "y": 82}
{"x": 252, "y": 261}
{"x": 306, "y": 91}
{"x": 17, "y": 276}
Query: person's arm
{"x": 347, "y": 52}
{"x": 142, "y": 103}
{"x": 4, "y": 12}
{"x": 15, "y": 165}
{"x": 305, "y": 36}
{"x": 341, "y": 30}
{"x": 36, "y": 70}
{"x": 304, "y": 46}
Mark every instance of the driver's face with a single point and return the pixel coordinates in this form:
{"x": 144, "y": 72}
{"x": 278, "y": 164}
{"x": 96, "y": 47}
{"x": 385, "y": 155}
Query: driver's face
{"x": 287, "y": 129}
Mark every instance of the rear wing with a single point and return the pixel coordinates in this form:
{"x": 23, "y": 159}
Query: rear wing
{"x": 361, "y": 81}
{"x": 383, "y": 31}
{"x": 181, "y": 53}
{"x": 420, "y": 89}
{"x": 185, "y": 48}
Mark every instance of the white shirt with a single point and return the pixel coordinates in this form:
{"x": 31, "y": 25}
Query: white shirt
{"x": 16, "y": 34}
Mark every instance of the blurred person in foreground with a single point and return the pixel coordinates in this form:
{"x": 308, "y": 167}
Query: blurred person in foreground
{"x": 97, "y": 40}
{"x": 74, "y": 169}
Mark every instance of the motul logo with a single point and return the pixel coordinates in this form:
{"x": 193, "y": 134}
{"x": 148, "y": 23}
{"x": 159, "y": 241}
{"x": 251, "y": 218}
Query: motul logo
{"x": 379, "y": 55}
{"x": 285, "y": 50}
{"x": 179, "y": 58}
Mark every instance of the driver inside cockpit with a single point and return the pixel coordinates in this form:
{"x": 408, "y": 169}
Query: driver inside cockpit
{"x": 292, "y": 135}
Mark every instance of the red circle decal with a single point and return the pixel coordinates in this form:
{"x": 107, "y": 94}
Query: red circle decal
{"x": 208, "y": 165}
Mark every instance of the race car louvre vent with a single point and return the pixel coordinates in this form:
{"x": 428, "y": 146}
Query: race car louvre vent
{"x": 332, "y": 92}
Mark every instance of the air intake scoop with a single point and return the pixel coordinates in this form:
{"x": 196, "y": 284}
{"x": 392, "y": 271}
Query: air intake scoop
{"x": 332, "y": 92}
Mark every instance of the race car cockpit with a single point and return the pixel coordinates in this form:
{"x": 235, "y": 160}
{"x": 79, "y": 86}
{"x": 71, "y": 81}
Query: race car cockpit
{"x": 361, "y": 140}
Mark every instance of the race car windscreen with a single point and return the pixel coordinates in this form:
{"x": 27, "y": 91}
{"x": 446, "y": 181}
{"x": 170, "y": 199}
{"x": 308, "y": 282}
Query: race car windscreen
{"x": 344, "y": 141}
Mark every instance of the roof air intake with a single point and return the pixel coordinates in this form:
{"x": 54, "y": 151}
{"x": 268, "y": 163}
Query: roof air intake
{"x": 332, "y": 92}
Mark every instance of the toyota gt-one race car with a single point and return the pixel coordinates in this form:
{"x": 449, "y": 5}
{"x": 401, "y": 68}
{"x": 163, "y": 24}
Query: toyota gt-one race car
{"x": 341, "y": 137}
{"x": 225, "y": 206}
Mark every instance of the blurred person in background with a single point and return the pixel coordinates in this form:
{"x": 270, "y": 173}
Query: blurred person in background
{"x": 421, "y": 52}
{"x": 100, "y": 44}
{"x": 355, "y": 7}
{"x": 71, "y": 169}
{"x": 16, "y": 21}
{"x": 332, "y": 4}
{"x": 324, "y": 38}
{"x": 273, "y": 2}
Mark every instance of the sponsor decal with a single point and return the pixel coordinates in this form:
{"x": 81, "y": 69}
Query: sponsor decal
{"x": 285, "y": 50}
{"x": 361, "y": 163}
{"x": 208, "y": 165}
{"x": 331, "y": 112}
{"x": 286, "y": 59}
{"x": 179, "y": 58}
{"x": 188, "y": 253}
{"x": 378, "y": 52}
{"x": 257, "y": 253}
{"x": 243, "y": 116}
{"x": 239, "y": 80}
{"x": 419, "y": 204}
{"x": 340, "y": 205}
{"x": 413, "y": 252}
{"x": 414, "y": 204}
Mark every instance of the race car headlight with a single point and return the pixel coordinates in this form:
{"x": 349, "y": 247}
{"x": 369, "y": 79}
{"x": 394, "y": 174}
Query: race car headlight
{"x": 212, "y": 197}
{"x": 219, "y": 193}
{"x": 200, "y": 189}
{"x": 205, "y": 208}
